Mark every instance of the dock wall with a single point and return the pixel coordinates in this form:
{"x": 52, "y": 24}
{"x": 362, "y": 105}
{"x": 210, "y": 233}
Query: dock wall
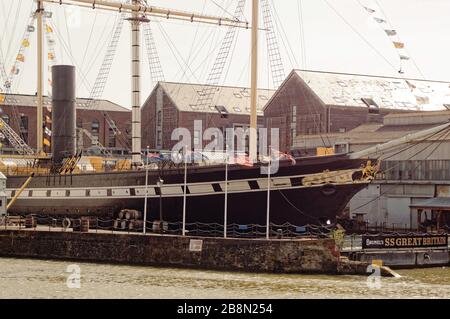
{"x": 252, "y": 255}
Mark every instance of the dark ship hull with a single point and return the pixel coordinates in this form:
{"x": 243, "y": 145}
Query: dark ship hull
{"x": 313, "y": 190}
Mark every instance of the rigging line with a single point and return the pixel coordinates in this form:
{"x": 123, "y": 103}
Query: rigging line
{"x": 5, "y": 31}
{"x": 407, "y": 51}
{"x": 360, "y": 35}
{"x": 223, "y": 9}
{"x": 16, "y": 19}
{"x": 302, "y": 33}
{"x": 288, "y": 47}
{"x": 193, "y": 43}
{"x": 89, "y": 39}
{"x": 384, "y": 193}
{"x": 413, "y": 144}
{"x": 100, "y": 44}
{"x": 67, "y": 29}
{"x": 69, "y": 54}
{"x": 295, "y": 207}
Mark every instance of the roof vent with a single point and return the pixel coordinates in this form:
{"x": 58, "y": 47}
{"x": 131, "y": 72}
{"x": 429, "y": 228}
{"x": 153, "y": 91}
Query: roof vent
{"x": 222, "y": 111}
{"x": 372, "y": 105}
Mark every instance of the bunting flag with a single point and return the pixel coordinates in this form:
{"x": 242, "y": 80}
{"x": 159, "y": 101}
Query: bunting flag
{"x": 30, "y": 28}
{"x": 2, "y": 98}
{"x": 25, "y": 43}
{"x": 47, "y": 131}
{"x": 20, "y": 57}
{"x": 399, "y": 45}
{"x": 377, "y": 14}
{"x": 50, "y": 56}
{"x": 49, "y": 29}
{"x": 46, "y": 142}
{"x": 15, "y": 70}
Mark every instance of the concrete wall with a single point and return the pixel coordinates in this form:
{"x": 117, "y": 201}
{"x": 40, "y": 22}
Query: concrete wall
{"x": 288, "y": 256}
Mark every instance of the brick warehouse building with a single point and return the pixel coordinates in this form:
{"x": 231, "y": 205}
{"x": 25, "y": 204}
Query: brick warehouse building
{"x": 91, "y": 120}
{"x": 313, "y": 102}
{"x": 175, "y": 105}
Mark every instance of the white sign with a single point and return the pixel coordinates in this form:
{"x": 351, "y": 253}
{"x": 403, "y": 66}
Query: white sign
{"x": 196, "y": 245}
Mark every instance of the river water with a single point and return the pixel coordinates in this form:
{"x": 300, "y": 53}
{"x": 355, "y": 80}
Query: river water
{"x": 27, "y": 278}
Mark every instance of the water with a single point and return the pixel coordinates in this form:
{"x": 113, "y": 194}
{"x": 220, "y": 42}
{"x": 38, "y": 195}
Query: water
{"x": 26, "y": 278}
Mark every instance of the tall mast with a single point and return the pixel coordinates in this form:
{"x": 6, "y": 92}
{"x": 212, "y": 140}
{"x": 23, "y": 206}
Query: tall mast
{"x": 135, "y": 87}
{"x": 40, "y": 78}
{"x": 254, "y": 82}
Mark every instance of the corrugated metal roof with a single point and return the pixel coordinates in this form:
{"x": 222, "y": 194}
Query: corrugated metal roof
{"x": 82, "y": 103}
{"x": 236, "y": 100}
{"x": 387, "y": 92}
{"x": 436, "y": 202}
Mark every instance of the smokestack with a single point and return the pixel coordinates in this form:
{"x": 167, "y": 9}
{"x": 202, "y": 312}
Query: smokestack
{"x": 63, "y": 112}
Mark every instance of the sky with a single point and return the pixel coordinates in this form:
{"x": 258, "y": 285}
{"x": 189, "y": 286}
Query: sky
{"x": 338, "y": 36}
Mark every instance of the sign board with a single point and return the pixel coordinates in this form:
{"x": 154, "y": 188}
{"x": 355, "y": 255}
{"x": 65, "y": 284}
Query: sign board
{"x": 195, "y": 245}
{"x": 410, "y": 241}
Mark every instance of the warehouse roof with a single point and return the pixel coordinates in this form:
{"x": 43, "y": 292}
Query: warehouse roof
{"x": 82, "y": 103}
{"x": 236, "y": 100}
{"x": 387, "y": 92}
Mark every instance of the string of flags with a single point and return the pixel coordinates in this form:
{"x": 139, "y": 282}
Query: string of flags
{"x": 377, "y": 15}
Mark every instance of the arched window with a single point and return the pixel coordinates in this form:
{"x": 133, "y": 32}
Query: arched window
{"x": 159, "y": 118}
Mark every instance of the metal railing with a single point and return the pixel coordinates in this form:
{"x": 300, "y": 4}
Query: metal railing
{"x": 120, "y": 226}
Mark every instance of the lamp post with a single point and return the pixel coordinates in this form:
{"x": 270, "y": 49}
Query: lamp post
{"x": 146, "y": 193}
{"x": 160, "y": 184}
{"x": 268, "y": 198}
{"x": 225, "y": 212}
{"x": 184, "y": 192}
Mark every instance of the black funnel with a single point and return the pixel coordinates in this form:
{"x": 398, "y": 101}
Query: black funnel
{"x": 63, "y": 112}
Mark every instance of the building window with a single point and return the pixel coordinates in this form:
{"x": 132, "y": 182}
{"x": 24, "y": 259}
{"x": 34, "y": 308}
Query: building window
{"x": 95, "y": 128}
{"x": 79, "y": 123}
{"x": 24, "y": 124}
{"x": 293, "y": 135}
{"x": 342, "y": 130}
{"x": 112, "y": 135}
{"x": 196, "y": 138}
{"x": 159, "y": 118}
{"x": 294, "y": 114}
{"x": 158, "y": 138}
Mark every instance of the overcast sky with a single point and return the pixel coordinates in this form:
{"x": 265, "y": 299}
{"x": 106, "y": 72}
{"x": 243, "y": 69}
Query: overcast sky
{"x": 187, "y": 50}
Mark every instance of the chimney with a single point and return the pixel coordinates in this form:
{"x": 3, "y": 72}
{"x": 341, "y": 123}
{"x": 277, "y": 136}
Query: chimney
{"x": 63, "y": 112}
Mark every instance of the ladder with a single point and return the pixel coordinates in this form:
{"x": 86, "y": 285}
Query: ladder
{"x": 207, "y": 94}
{"x": 156, "y": 71}
{"x": 102, "y": 77}
{"x": 273, "y": 50}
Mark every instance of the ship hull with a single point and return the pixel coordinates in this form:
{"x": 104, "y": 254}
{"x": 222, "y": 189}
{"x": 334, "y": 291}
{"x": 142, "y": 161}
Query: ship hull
{"x": 292, "y": 199}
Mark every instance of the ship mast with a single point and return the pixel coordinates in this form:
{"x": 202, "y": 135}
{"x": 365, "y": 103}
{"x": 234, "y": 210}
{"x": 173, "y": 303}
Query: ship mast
{"x": 135, "y": 87}
{"x": 254, "y": 82}
{"x": 40, "y": 78}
